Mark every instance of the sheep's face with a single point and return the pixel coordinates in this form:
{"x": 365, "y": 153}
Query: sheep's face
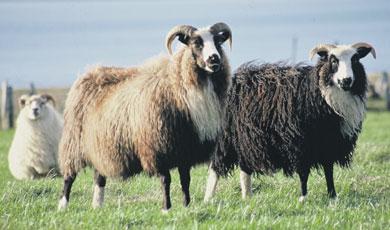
{"x": 207, "y": 50}
{"x": 341, "y": 66}
{"x": 205, "y": 44}
{"x": 34, "y": 106}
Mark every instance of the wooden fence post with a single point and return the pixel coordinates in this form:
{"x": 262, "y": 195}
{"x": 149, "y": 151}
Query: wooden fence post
{"x": 387, "y": 89}
{"x": 7, "y": 106}
{"x": 32, "y": 89}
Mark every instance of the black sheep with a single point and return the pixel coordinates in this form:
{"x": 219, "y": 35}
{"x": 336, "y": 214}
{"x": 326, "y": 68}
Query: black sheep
{"x": 293, "y": 118}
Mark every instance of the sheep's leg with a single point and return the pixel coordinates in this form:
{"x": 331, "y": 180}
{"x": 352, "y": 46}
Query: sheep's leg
{"x": 165, "y": 178}
{"x": 98, "y": 192}
{"x": 328, "y": 169}
{"x": 68, "y": 181}
{"x": 185, "y": 179}
{"x": 212, "y": 182}
{"x": 246, "y": 185}
{"x": 303, "y": 176}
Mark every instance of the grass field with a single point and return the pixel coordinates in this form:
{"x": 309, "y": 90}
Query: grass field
{"x": 363, "y": 197}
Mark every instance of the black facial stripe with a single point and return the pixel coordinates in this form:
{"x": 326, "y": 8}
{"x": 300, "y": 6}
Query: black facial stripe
{"x": 217, "y": 41}
{"x": 355, "y": 58}
{"x": 332, "y": 57}
{"x": 197, "y": 40}
{"x": 334, "y": 63}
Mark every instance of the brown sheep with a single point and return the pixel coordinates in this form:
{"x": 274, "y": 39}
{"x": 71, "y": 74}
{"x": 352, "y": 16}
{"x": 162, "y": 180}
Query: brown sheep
{"x": 161, "y": 115}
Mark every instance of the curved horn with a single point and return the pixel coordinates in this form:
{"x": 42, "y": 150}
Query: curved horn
{"x": 48, "y": 97}
{"x": 321, "y": 48}
{"x": 182, "y": 31}
{"x": 365, "y": 45}
{"x": 223, "y": 27}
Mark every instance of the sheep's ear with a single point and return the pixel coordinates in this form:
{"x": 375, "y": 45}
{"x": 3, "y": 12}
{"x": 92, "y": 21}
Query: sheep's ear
{"x": 183, "y": 38}
{"x": 321, "y": 50}
{"x": 47, "y": 97}
{"x": 23, "y": 100}
{"x": 363, "y": 49}
{"x": 184, "y": 33}
{"x": 323, "y": 55}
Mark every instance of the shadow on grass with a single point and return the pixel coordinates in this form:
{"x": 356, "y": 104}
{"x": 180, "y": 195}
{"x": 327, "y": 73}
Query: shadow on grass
{"x": 37, "y": 192}
{"x": 132, "y": 223}
{"x": 355, "y": 198}
{"x": 382, "y": 157}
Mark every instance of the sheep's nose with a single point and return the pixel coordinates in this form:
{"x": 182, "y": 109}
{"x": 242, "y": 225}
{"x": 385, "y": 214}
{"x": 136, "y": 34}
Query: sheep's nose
{"x": 35, "y": 111}
{"x": 345, "y": 83}
{"x": 214, "y": 59}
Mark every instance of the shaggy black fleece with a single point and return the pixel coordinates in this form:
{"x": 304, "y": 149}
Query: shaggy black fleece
{"x": 277, "y": 119}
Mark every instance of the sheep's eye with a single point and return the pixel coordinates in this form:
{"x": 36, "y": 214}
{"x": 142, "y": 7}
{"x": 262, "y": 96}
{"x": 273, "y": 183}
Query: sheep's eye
{"x": 198, "y": 44}
{"x": 334, "y": 63}
{"x": 219, "y": 40}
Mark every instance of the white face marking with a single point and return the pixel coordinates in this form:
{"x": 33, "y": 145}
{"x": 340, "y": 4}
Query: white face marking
{"x": 348, "y": 106}
{"x": 344, "y": 70}
{"x": 209, "y": 48}
{"x": 35, "y": 109}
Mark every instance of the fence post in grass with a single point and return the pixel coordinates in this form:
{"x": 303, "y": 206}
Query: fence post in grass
{"x": 387, "y": 89}
{"x": 32, "y": 89}
{"x": 7, "y": 106}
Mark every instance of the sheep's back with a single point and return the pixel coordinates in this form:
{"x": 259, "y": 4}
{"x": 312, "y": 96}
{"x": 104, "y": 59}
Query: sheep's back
{"x": 265, "y": 115}
{"x": 87, "y": 93}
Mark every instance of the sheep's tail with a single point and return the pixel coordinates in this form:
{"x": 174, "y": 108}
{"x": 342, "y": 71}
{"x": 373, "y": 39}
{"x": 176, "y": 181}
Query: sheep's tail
{"x": 70, "y": 156}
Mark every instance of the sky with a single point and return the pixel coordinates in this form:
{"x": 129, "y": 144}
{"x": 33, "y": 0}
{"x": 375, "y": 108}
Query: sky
{"x": 50, "y": 43}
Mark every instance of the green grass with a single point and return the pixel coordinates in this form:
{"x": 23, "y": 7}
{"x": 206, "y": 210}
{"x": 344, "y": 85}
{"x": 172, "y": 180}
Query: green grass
{"x": 363, "y": 197}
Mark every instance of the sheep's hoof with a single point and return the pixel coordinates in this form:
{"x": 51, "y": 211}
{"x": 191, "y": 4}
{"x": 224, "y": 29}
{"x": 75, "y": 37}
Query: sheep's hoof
{"x": 207, "y": 200}
{"x": 208, "y": 196}
{"x": 165, "y": 211}
{"x": 97, "y": 205}
{"x": 302, "y": 199}
{"x": 246, "y": 195}
{"x": 333, "y": 200}
{"x": 62, "y": 204}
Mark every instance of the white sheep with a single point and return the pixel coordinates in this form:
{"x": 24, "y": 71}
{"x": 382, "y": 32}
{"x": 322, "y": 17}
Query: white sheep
{"x": 34, "y": 149}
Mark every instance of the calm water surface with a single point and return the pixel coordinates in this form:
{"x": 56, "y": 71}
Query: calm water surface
{"x": 51, "y": 42}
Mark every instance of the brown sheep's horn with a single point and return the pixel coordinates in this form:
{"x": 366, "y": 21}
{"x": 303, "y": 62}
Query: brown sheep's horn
{"x": 224, "y": 28}
{"x": 360, "y": 45}
{"x": 183, "y": 31}
{"x": 321, "y": 48}
{"x": 48, "y": 97}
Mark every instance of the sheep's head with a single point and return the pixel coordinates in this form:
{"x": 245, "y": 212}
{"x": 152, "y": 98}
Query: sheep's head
{"x": 340, "y": 63}
{"x": 35, "y": 105}
{"x": 205, "y": 43}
